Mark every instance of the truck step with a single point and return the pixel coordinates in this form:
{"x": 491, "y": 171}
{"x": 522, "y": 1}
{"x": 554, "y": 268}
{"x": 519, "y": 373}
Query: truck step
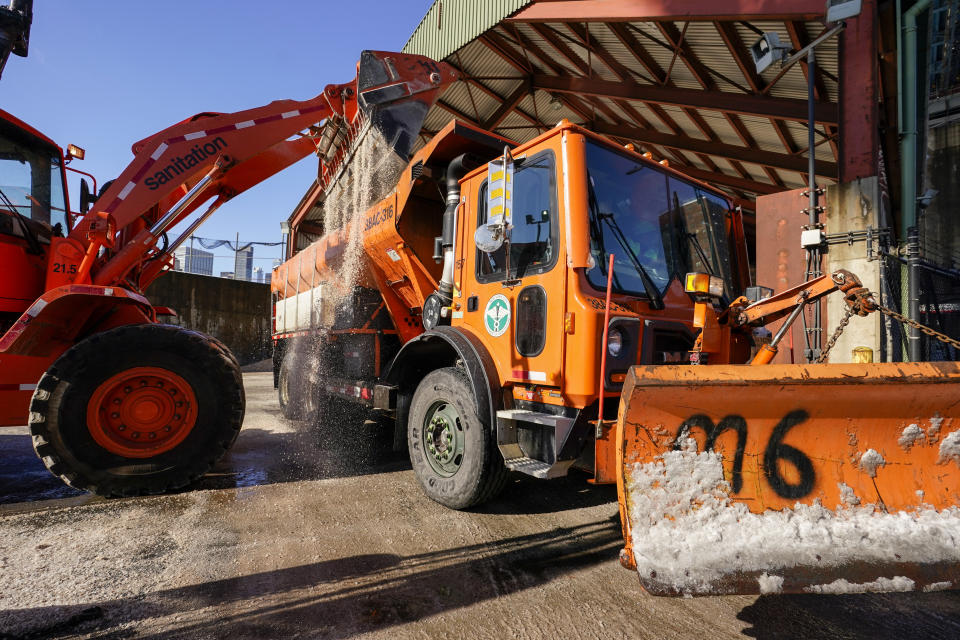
{"x": 547, "y": 419}
{"x": 515, "y": 458}
{"x": 529, "y": 466}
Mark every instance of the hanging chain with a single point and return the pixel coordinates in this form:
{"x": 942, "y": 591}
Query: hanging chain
{"x": 923, "y": 328}
{"x": 852, "y": 310}
{"x": 836, "y": 334}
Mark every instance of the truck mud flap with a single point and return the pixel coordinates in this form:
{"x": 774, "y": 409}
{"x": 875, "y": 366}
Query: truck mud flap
{"x": 791, "y": 478}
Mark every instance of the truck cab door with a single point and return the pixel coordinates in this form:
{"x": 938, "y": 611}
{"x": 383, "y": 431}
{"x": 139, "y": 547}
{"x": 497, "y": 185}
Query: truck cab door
{"x": 519, "y": 313}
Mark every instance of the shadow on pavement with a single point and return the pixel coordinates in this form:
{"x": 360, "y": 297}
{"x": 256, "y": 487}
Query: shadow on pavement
{"x": 337, "y": 598}
{"x": 886, "y": 615}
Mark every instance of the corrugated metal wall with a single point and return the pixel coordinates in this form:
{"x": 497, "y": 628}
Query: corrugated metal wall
{"x": 450, "y": 24}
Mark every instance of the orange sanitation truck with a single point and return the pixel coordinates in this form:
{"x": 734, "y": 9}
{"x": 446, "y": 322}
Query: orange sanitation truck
{"x": 489, "y": 358}
{"x": 507, "y": 290}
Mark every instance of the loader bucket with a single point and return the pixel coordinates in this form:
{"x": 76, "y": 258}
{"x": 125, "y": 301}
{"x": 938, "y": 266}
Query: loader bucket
{"x": 393, "y": 93}
{"x": 837, "y": 478}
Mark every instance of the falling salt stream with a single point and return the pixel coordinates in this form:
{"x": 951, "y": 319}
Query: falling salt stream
{"x": 369, "y": 176}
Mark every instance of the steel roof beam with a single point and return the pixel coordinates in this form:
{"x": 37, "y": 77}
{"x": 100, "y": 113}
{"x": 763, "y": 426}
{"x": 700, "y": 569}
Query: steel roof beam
{"x": 460, "y": 115}
{"x": 729, "y": 151}
{"x": 619, "y": 70}
{"x": 630, "y": 42}
{"x": 507, "y": 105}
{"x": 499, "y": 45}
{"x": 742, "y": 184}
{"x": 731, "y": 38}
{"x": 636, "y": 10}
{"x": 574, "y": 103}
{"x": 475, "y": 82}
{"x": 764, "y": 106}
{"x": 704, "y": 77}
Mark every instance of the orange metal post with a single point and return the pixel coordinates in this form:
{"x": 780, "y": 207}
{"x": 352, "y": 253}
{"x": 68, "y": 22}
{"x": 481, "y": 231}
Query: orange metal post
{"x": 603, "y": 342}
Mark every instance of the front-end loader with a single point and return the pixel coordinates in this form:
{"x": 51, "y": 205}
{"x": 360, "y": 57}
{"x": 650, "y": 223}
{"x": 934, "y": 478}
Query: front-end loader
{"x": 118, "y": 403}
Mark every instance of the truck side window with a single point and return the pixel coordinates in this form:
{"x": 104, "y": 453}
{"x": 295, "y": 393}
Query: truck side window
{"x": 533, "y": 240}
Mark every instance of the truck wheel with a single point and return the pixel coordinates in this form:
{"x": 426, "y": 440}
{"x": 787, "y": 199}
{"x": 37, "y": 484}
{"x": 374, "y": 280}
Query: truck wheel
{"x": 298, "y": 398}
{"x": 136, "y": 410}
{"x": 453, "y": 454}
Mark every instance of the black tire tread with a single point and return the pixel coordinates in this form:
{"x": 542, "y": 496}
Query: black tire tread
{"x": 209, "y": 354}
{"x": 494, "y": 475}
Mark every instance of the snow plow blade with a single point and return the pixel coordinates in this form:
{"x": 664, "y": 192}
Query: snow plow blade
{"x": 837, "y": 478}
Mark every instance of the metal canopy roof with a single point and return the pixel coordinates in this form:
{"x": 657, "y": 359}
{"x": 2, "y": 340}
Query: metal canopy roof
{"x": 675, "y": 78}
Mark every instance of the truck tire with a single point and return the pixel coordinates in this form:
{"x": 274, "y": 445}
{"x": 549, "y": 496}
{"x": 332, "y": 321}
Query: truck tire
{"x": 298, "y": 398}
{"x": 453, "y": 454}
{"x": 136, "y": 410}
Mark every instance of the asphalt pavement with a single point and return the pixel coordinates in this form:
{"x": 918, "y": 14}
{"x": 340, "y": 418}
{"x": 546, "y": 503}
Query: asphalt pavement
{"x": 318, "y": 531}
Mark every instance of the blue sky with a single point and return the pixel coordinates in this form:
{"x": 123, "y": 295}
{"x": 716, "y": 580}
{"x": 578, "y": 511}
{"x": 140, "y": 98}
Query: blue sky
{"x": 107, "y": 73}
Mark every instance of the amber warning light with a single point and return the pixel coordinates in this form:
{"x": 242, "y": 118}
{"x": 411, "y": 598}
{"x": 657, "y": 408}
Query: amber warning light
{"x": 704, "y": 284}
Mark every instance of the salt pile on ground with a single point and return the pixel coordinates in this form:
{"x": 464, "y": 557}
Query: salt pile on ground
{"x": 687, "y": 533}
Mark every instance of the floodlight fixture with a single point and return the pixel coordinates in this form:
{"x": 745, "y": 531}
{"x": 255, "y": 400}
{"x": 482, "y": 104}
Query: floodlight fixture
{"x": 842, "y": 9}
{"x": 73, "y": 151}
{"x": 768, "y": 50}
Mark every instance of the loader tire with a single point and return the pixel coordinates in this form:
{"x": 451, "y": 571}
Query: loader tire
{"x": 139, "y": 409}
{"x": 453, "y": 454}
{"x": 299, "y": 400}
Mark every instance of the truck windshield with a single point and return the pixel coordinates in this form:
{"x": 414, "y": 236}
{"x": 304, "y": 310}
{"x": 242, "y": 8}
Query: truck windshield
{"x": 657, "y": 226}
{"x": 30, "y": 178}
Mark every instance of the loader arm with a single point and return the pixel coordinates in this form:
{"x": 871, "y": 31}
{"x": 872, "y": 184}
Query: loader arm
{"x": 783, "y": 304}
{"x": 219, "y": 155}
{"x": 724, "y": 334}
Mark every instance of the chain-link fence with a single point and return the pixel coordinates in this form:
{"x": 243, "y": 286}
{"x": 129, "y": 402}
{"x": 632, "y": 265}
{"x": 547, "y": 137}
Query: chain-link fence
{"x": 938, "y": 290}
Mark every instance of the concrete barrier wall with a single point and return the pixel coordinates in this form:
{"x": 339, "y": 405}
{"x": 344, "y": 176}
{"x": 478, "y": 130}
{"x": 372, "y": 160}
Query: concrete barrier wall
{"x": 236, "y": 312}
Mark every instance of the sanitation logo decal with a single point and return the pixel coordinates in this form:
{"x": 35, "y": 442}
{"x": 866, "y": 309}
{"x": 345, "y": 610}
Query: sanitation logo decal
{"x": 496, "y": 317}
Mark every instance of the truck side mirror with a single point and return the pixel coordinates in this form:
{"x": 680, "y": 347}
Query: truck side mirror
{"x": 86, "y": 198}
{"x": 489, "y": 237}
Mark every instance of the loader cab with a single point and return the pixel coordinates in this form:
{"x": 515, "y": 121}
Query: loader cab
{"x": 32, "y": 177}
{"x": 33, "y": 209}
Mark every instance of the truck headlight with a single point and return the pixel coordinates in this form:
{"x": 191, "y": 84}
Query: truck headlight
{"x": 615, "y": 342}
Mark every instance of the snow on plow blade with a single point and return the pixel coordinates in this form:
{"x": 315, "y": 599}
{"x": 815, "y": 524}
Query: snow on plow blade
{"x": 791, "y": 478}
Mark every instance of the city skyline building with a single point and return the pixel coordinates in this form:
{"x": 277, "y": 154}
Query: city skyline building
{"x": 243, "y": 264}
{"x": 193, "y": 260}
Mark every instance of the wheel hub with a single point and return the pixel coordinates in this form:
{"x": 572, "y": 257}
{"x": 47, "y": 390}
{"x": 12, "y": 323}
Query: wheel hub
{"x": 443, "y": 439}
{"x": 142, "y": 412}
